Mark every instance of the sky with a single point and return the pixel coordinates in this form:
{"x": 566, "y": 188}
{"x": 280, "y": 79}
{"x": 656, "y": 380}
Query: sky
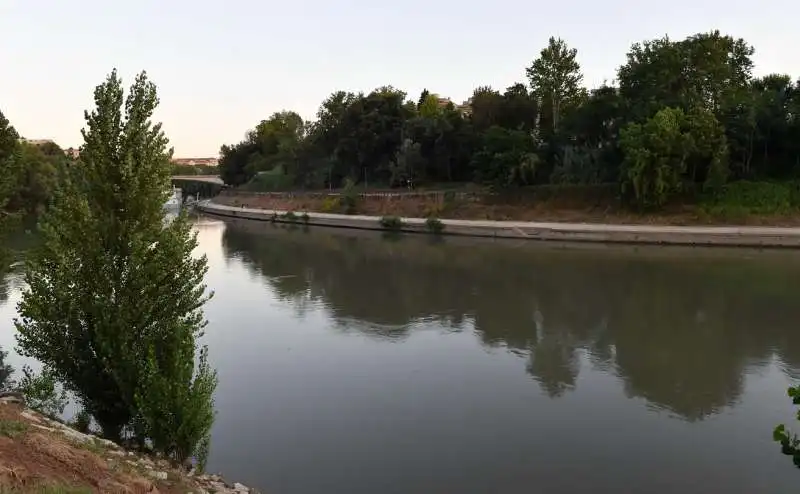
{"x": 223, "y": 66}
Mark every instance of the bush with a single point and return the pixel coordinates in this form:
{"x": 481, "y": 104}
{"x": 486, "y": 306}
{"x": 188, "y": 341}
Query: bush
{"x": 790, "y": 443}
{"x": 434, "y": 225}
{"x": 745, "y": 197}
{"x": 290, "y": 216}
{"x": 82, "y": 421}
{"x": 305, "y": 218}
{"x": 42, "y": 392}
{"x": 5, "y": 371}
{"x": 348, "y": 199}
{"x": 331, "y": 204}
{"x": 391, "y": 222}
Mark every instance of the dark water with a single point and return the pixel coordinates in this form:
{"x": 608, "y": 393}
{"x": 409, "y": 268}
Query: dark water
{"x": 352, "y": 363}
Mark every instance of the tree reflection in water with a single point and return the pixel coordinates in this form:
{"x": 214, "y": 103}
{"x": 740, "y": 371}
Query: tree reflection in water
{"x": 679, "y": 328}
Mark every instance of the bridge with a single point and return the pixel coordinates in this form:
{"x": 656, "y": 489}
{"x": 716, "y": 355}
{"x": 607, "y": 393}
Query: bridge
{"x": 203, "y": 186}
{"x": 200, "y": 178}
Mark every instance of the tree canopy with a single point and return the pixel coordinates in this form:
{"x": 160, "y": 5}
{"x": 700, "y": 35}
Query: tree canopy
{"x": 550, "y": 130}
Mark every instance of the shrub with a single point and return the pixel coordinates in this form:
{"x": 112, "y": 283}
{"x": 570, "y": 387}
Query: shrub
{"x": 305, "y": 218}
{"x": 42, "y": 392}
{"x": 391, "y": 222}
{"x": 82, "y": 421}
{"x": 745, "y": 197}
{"x": 434, "y": 225}
{"x": 348, "y": 199}
{"x": 331, "y": 204}
{"x": 5, "y": 371}
{"x": 290, "y": 216}
{"x": 790, "y": 443}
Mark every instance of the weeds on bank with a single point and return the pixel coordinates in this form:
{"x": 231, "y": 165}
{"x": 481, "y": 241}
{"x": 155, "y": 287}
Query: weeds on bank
{"x": 434, "y": 225}
{"x": 47, "y": 489}
{"x": 12, "y": 428}
{"x": 391, "y": 222}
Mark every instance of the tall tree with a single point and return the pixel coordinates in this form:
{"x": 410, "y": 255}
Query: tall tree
{"x": 114, "y": 300}
{"x": 555, "y": 78}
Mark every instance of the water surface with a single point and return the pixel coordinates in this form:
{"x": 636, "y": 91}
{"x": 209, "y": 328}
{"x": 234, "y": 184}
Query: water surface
{"x": 350, "y": 362}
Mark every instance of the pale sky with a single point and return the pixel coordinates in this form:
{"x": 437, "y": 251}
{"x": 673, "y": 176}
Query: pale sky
{"x": 222, "y": 66}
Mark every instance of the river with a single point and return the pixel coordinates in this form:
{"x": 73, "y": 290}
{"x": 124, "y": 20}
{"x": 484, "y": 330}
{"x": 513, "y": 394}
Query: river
{"x": 356, "y": 363}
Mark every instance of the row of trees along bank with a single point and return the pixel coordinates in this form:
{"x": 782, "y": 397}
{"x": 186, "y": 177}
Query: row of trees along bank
{"x": 112, "y": 303}
{"x": 683, "y": 115}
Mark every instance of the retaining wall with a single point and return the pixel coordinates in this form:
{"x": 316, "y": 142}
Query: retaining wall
{"x": 563, "y": 232}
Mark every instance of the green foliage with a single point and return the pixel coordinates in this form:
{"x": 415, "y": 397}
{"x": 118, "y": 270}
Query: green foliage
{"x": 760, "y": 198}
{"x": 290, "y": 216}
{"x": 731, "y": 127}
{"x": 194, "y": 169}
{"x": 391, "y": 222}
{"x": 113, "y": 307}
{"x": 42, "y": 392}
{"x": 348, "y": 199}
{"x": 789, "y": 441}
{"x": 434, "y": 225}
{"x": 669, "y": 149}
{"x": 305, "y": 218}
{"x": 82, "y": 421}
{"x": 5, "y": 371}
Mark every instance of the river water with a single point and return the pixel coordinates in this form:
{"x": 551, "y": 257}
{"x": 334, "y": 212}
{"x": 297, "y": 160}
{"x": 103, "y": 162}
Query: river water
{"x": 351, "y": 362}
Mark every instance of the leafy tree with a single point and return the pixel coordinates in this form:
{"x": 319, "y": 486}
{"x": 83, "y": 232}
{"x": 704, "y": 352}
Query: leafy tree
{"x": 705, "y": 70}
{"x": 555, "y": 78}
{"x": 655, "y": 157}
{"x": 113, "y": 307}
{"x": 505, "y": 158}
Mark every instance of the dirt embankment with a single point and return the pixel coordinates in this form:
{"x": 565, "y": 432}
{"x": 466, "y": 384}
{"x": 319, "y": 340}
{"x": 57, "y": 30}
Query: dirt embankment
{"x": 42, "y": 456}
{"x": 553, "y": 209}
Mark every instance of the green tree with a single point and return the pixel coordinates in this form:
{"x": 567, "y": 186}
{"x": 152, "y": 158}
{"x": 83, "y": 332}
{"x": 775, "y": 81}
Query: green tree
{"x": 655, "y": 157}
{"x": 114, "y": 301}
{"x": 555, "y": 79}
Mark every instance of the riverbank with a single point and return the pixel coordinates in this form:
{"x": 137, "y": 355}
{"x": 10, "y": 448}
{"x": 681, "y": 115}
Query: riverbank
{"x": 733, "y": 236}
{"x": 41, "y": 455}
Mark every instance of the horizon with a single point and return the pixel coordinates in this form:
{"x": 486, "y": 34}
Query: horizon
{"x": 220, "y": 69}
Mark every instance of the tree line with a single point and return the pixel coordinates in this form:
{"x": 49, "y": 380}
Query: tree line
{"x": 30, "y": 171}
{"x": 682, "y": 115}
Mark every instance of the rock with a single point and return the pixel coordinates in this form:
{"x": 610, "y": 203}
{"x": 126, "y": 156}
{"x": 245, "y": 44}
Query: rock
{"x": 241, "y": 487}
{"x": 12, "y": 397}
{"x": 158, "y": 475}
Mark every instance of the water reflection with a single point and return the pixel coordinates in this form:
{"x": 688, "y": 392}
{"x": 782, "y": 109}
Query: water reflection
{"x": 679, "y": 328}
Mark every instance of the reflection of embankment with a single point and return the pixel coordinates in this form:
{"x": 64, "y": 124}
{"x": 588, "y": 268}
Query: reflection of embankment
{"x": 678, "y": 331}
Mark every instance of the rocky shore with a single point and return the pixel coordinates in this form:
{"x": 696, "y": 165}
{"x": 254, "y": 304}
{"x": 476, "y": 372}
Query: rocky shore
{"x": 37, "y": 452}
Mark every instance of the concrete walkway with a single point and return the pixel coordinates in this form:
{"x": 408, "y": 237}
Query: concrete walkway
{"x": 749, "y": 236}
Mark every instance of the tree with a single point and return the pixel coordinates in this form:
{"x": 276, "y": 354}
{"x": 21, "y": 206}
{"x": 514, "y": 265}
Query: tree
{"x": 555, "y": 78}
{"x": 114, "y": 301}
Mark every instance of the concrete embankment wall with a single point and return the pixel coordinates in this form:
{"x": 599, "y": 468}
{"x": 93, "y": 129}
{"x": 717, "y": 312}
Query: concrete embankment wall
{"x": 563, "y": 232}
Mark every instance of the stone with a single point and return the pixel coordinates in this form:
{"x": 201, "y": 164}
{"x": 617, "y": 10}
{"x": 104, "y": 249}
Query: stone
{"x": 158, "y": 475}
{"x": 241, "y": 487}
{"x": 12, "y": 397}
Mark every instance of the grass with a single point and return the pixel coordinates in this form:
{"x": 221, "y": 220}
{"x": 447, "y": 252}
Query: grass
{"x": 12, "y": 428}
{"x": 48, "y": 489}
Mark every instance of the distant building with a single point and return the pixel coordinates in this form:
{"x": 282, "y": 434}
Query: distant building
{"x": 72, "y": 153}
{"x": 196, "y": 161}
{"x": 465, "y": 108}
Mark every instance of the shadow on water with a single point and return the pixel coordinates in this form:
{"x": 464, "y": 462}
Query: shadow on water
{"x": 679, "y": 327}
